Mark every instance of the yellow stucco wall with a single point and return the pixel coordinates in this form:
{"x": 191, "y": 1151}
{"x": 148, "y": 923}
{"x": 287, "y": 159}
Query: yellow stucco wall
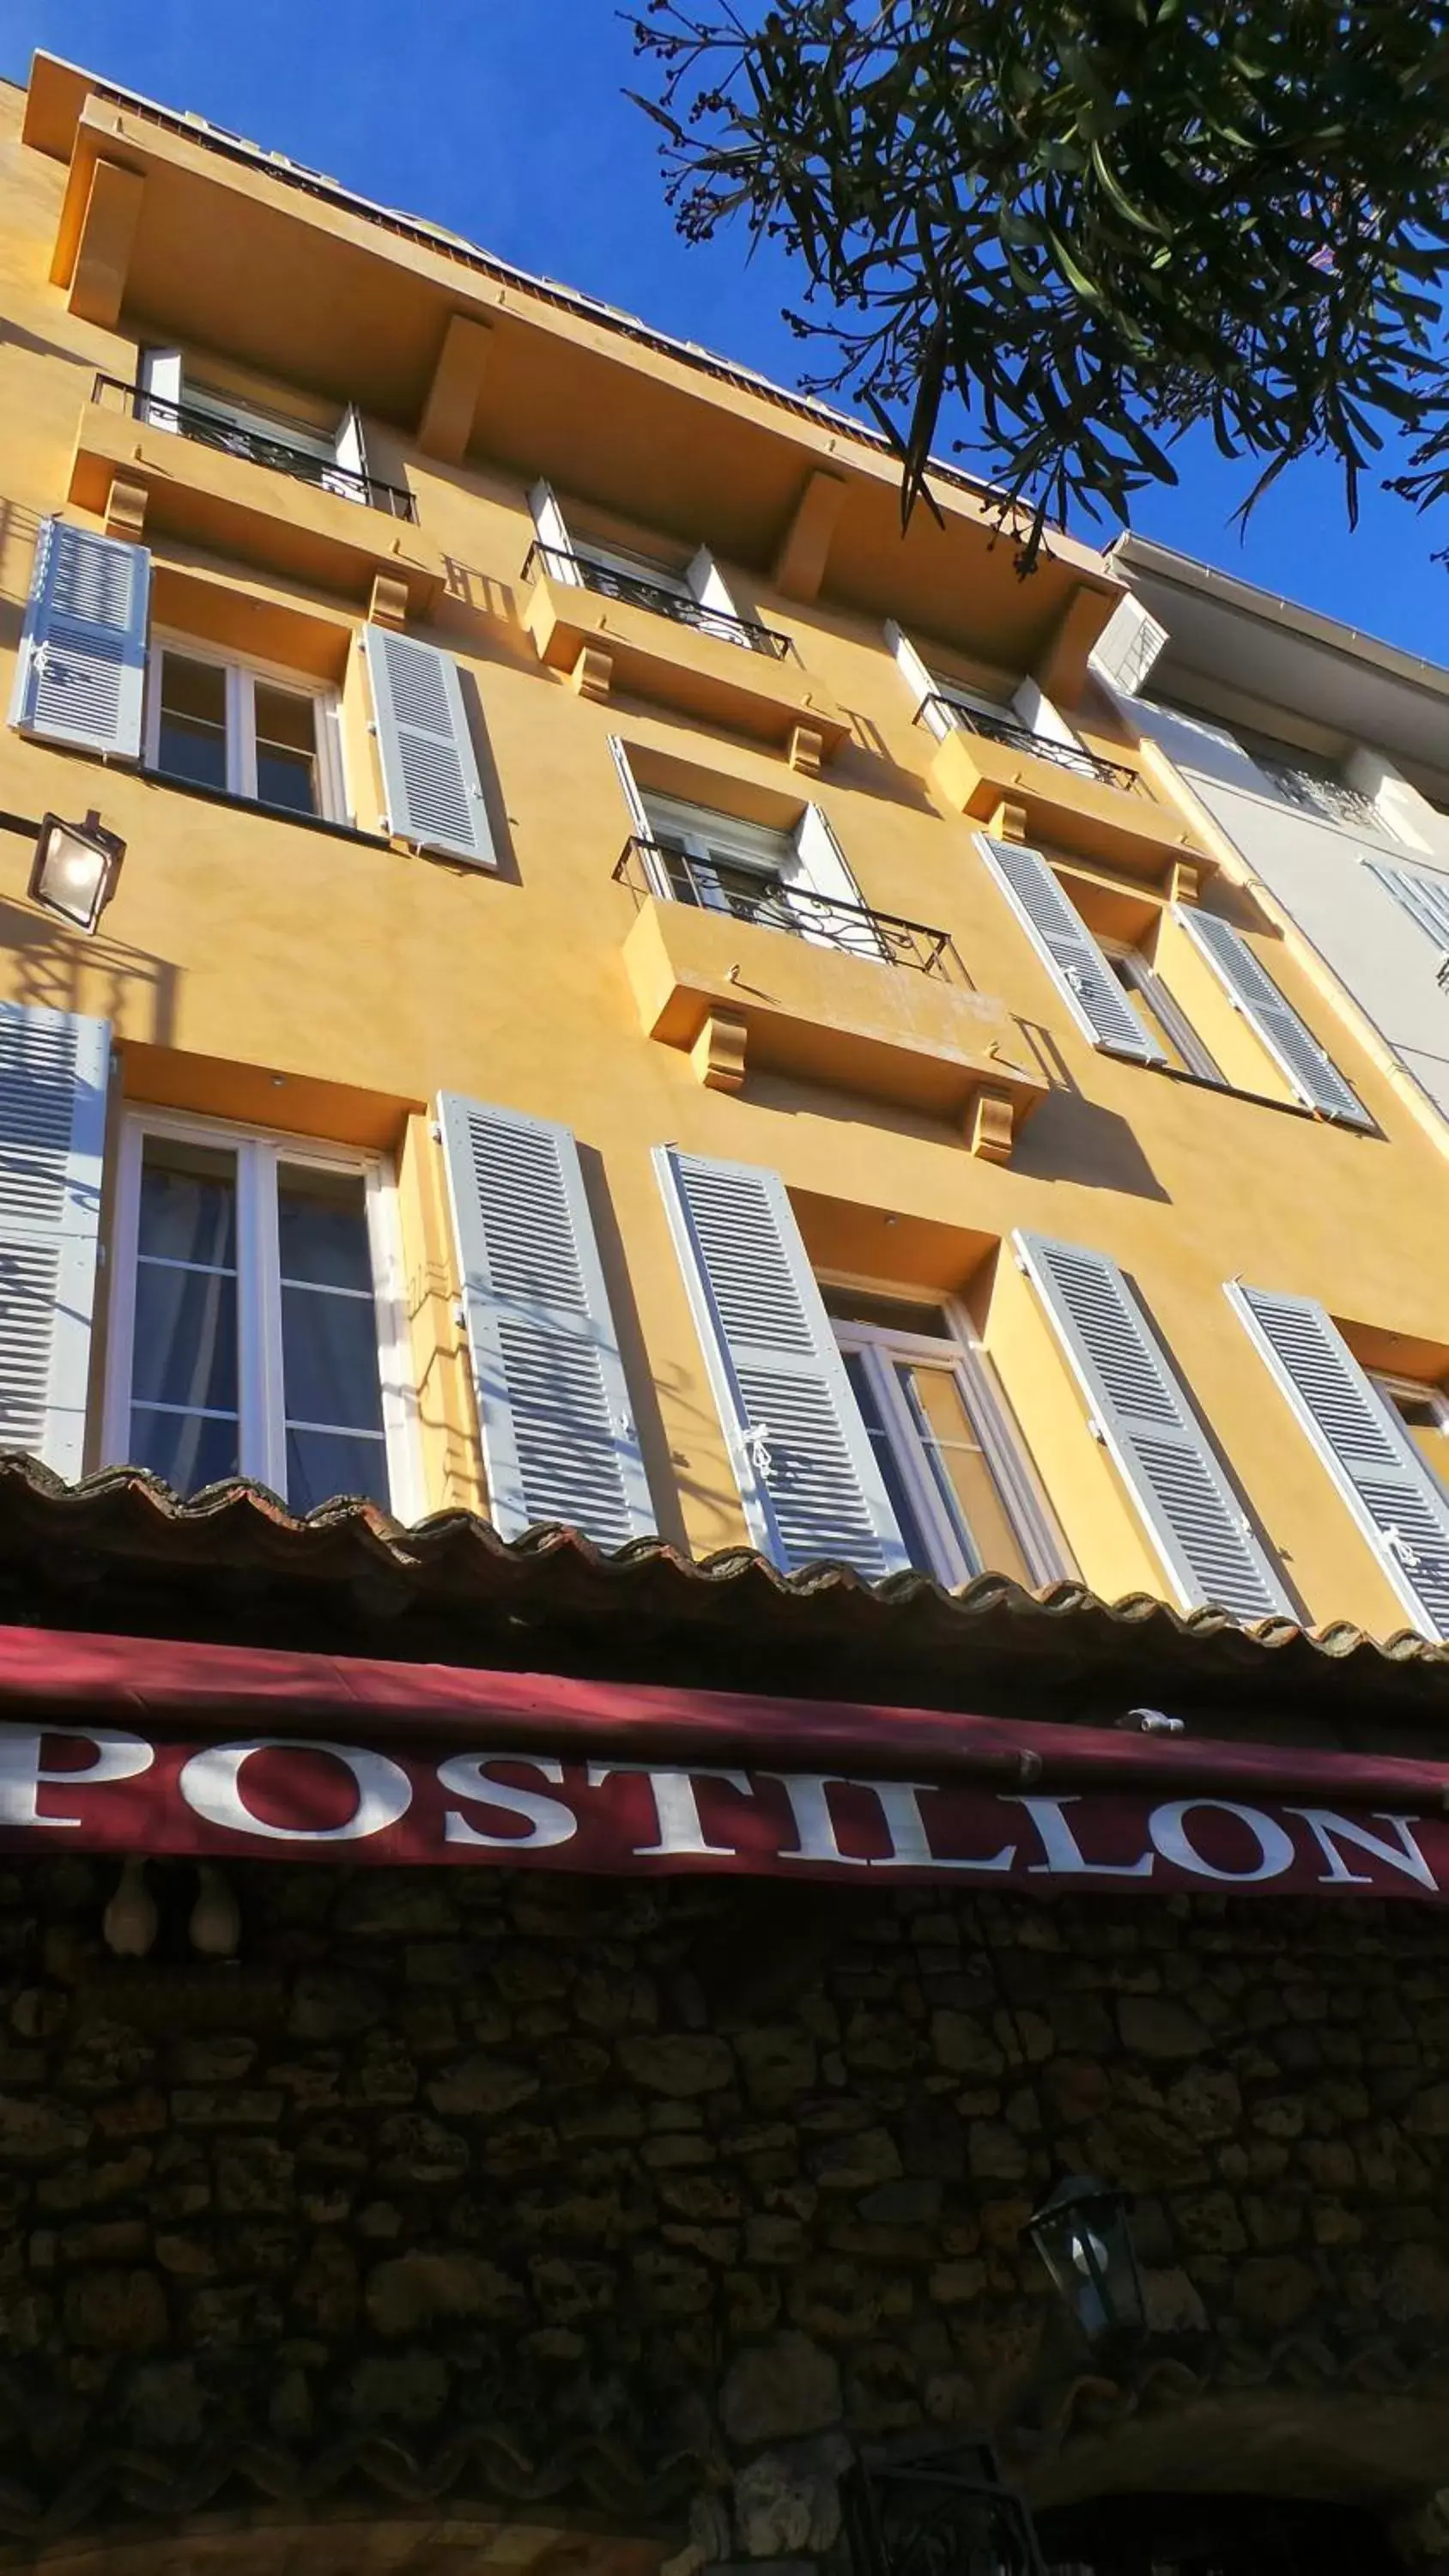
{"x": 315, "y": 983}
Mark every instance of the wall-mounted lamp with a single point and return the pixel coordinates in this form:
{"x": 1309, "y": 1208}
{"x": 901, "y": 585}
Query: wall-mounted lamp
{"x": 75, "y": 869}
{"x": 1082, "y": 2234}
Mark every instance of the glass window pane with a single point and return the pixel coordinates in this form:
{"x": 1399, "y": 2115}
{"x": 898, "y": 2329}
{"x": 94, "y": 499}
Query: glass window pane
{"x": 286, "y": 717}
{"x": 912, "y": 1535}
{"x": 329, "y": 1359}
{"x": 188, "y": 1202}
{"x": 286, "y": 731}
{"x": 322, "y": 1226}
{"x": 286, "y": 780}
{"x": 192, "y": 741}
{"x": 189, "y": 1449}
{"x": 1422, "y": 1416}
{"x": 960, "y": 1470}
{"x": 195, "y": 690}
{"x": 185, "y": 1337}
{"x": 893, "y": 1314}
{"x": 323, "y": 1464}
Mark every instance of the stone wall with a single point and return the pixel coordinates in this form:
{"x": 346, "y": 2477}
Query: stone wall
{"x": 484, "y": 2185}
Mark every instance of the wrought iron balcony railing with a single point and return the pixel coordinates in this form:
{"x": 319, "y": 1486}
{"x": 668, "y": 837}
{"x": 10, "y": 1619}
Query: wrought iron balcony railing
{"x": 652, "y": 868}
{"x": 1042, "y": 746}
{"x": 611, "y": 583}
{"x": 272, "y": 447}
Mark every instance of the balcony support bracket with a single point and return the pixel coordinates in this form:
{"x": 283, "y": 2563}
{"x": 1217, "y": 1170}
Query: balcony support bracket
{"x": 593, "y": 672}
{"x": 452, "y": 400}
{"x": 388, "y": 604}
{"x": 125, "y": 512}
{"x": 1008, "y": 823}
{"x": 807, "y": 749}
{"x": 718, "y": 1053}
{"x": 1184, "y": 881}
{"x": 991, "y": 1124}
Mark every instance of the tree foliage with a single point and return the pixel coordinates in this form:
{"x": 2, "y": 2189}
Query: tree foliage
{"x": 1096, "y": 222}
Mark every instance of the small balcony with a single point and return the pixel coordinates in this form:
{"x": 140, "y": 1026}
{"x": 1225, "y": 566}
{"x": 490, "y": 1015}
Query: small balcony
{"x": 1074, "y": 800}
{"x": 614, "y": 633}
{"x": 284, "y": 446}
{"x": 787, "y": 981}
{"x": 254, "y": 493}
{"x": 586, "y": 572}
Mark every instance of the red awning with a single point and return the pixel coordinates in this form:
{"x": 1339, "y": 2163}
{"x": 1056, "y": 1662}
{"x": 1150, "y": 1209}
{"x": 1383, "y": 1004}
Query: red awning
{"x": 124, "y": 1743}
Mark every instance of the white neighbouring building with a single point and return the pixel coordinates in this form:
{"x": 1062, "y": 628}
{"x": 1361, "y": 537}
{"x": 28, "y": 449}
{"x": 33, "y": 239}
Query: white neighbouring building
{"x": 1320, "y": 757}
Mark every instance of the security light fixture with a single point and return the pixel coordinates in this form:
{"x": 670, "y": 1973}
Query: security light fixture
{"x": 1082, "y": 2234}
{"x": 75, "y": 869}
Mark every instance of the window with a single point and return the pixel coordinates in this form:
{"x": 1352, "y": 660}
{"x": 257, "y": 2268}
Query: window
{"x": 720, "y": 863}
{"x": 1314, "y": 784}
{"x": 244, "y": 731}
{"x": 794, "y": 881}
{"x": 1162, "y": 1017}
{"x": 255, "y": 1329}
{"x": 950, "y": 1460}
{"x": 1424, "y": 1413}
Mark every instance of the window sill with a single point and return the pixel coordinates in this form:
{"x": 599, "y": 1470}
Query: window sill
{"x": 268, "y": 813}
{"x": 1231, "y": 1091}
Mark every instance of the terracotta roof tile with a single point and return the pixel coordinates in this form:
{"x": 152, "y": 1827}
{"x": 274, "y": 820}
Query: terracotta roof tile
{"x": 121, "y": 1551}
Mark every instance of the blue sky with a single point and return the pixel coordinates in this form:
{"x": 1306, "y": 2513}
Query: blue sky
{"x": 506, "y": 120}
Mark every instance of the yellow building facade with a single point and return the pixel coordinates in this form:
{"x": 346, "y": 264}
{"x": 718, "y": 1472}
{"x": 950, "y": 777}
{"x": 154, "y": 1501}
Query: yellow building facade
{"x": 637, "y": 995}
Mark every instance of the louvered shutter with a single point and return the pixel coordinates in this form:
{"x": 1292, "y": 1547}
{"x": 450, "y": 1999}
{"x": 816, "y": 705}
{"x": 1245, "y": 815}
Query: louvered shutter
{"x": 429, "y": 768}
{"x": 1066, "y": 947}
{"x": 1380, "y": 1474}
{"x": 1127, "y": 647}
{"x": 554, "y": 1416}
{"x": 806, "y": 1471}
{"x": 54, "y": 1067}
{"x": 81, "y": 675}
{"x": 1424, "y": 899}
{"x": 551, "y": 529}
{"x": 1141, "y": 1413}
{"x": 1251, "y": 989}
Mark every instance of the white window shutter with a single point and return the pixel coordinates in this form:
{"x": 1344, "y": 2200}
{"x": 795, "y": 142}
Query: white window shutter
{"x": 1424, "y": 899}
{"x": 806, "y": 1471}
{"x": 1142, "y": 1415}
{"x": 554, "y": 1416}
{"x": 351, "y": 457}
{"x": 1066, "y": 947}
{"x": 1127, "y": 647}
{"x": 54, "y": 1068}
{"x": 81, "y": 673}
{"x": 160, "y": 379}
{"x": 639, "y": 823}
{"x": 820, "y": 867}
{"x": 1396, "y": 1502}
{"x": 919, "y": 679}
{"x": 429, "y": 767}
{"x": 708, "y": 585}
{"x": 551, "y": 529}
{"x": 1033, "y": 708}
{"x": 1250, "y": 988}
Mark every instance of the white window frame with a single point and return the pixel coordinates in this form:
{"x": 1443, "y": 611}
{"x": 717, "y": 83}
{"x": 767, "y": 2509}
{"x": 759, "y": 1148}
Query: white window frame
{"x": 1144, "y": 978}
{"x": 261, "y": 1432}
{"x": 242, "y": 674}
{"x": 1387, "y": 1383}
{"x": 711, "y": 841}
{"x": 960, "y": 1355}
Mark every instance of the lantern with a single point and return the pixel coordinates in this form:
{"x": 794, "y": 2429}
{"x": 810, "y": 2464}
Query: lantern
{"x": 1082, "y": 2234}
